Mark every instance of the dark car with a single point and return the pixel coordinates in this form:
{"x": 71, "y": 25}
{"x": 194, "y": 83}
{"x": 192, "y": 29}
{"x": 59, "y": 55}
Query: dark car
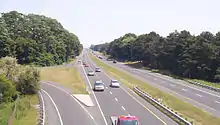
{"x": 114, "y": 61}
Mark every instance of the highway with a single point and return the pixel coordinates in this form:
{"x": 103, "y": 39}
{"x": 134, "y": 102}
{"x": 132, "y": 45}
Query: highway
{"x": 201, "y": 97}
{"x": 119, "y": 101}
{"x": 62, "y": 109}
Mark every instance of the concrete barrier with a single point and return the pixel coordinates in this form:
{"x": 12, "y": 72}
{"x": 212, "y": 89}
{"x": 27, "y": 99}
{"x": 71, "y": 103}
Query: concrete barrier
{"x": 205, "y": 86}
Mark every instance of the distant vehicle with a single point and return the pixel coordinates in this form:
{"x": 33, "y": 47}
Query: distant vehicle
{"x": 91, "y": 73}
{"x": 79, "y": 60}
{"x": 114, "y": 83}
{"x": 86, "y": 65}
{"x": 97, "y": 69}
{"x": 114, "y": 61}
{"x": 125, "y": 120}
{"x": 99, "y": 85}
{"x": 100, "y": 57}
{"x": 109, "y": 59}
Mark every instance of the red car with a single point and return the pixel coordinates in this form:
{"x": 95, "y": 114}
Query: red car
{"x": 86, "y": 65}
{"x": 125, "y": 120}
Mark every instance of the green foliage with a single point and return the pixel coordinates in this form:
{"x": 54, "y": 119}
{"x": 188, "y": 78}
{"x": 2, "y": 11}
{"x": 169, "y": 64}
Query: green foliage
{"x": 28, "y": 81}
{"x": 36, "y": 39}
{"x": 7, "y": 89}
{"x": 180, "y": 53}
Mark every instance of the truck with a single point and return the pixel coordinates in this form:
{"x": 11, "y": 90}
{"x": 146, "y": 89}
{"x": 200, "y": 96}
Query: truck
{"x": 125, "y": 120}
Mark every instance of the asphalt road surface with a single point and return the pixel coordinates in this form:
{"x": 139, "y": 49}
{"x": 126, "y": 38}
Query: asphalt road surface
{"x": 200, "y": 97}
{"x": 62, "y": 109}
{"x": 119, "y": 101}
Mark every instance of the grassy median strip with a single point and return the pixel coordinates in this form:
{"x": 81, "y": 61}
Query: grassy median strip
{"x": 199, "y": 117}
{"x": 67, "y": 76}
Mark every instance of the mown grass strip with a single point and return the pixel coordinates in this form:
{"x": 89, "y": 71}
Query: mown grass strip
{"x": 68, "y": 77}
{"x": 26, "y": 112}
{"x": 216, "y": 85}
{"x": 191, "y": 113}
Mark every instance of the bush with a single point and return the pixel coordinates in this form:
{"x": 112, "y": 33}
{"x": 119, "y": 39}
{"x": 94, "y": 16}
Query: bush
{"x": 7, "y": 89}
{"x": 28, "y": 80}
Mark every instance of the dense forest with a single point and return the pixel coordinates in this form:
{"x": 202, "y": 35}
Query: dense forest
{"x": 36, "y": 39}
{"x": 179, "y": 53}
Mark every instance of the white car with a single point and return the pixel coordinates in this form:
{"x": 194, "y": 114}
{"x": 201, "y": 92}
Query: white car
{"x": 114, "y": 83}
{"x": 91, "y": 73}
{"x": 97, "y": 69}
{"x": 99, "y": 85}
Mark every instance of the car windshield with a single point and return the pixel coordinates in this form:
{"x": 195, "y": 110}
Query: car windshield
{"x": 98, "y": 83}
{"x": 114, "y": 81}
{"x": 129, "y": 122}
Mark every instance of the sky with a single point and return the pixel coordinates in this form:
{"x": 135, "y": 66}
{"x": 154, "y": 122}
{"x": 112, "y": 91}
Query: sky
{"x": 100, "y": 21}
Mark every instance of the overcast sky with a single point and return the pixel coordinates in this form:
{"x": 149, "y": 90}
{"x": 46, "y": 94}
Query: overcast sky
{"x": 98, "y": 21}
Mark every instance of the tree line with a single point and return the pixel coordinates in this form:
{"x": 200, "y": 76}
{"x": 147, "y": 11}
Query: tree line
{"x": 36, "y": 39}
{"x": 179, "y": 53}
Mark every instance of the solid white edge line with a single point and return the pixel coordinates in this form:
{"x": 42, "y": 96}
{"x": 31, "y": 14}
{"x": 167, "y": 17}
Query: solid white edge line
{"x": 74, "y": 99}
{"x": 199, "y": 95}
{"x": 54, "y": 104}
{"x": 184, "y": 90}
{"x": 95, "y": 96}
{"x": 43, "y": 104}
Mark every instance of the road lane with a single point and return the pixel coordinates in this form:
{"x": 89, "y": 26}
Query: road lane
{"x": 204, "y": 99}
{"x": 70, "y": 111}
{"x": 117, "y": 102}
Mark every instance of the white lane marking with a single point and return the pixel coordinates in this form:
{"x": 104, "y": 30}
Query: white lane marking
{"x": 217, "y": 102}
{"x": 155, "y": 79}
{"x": 199, "y": 95}
{"x": 116, "y": 99}
{"x": 74, "y": 99}
{"x": 123, "y": 107}
{"x": 95, "y": 96}
{"x": 110, "y": 92}
{"x": 184, "y": 90}
{"x": 172, "y": 85}
{"x": 106, "y": 87}
{"x": 54, "y": 104}
{"x": 84, "y": 109}
{"x": 43, "y": 104}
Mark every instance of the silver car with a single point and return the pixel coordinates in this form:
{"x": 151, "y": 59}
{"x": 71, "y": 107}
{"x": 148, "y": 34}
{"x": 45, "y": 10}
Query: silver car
{"x": 114, "y": 83}
{"x": 99, "y": 85}
{"x": 91, "y": 73}
{"x": 97, "y": 69}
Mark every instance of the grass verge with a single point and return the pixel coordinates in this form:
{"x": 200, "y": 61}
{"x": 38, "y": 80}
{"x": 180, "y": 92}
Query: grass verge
{"x": 216, "y": 85}
{"x": 26, "y": 112}
{"x": 191, "y": 113}
{"x": 68, "y": 77}
{"x": 5, "y": 112}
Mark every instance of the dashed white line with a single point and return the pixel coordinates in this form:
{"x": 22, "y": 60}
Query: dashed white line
{"x": 110, "y": 92}
{"x": 116, "y": 99}
{"x": 199, "y": 95}
{"x": 123, "y": 107}
{"x": 106, "y": 87}
{"x": 58, "y": 113}
{"x": 217, "y": 102}
{"x": 184, "y": 90}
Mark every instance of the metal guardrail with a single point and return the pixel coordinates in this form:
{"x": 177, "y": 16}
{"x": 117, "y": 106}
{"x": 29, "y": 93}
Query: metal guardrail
{"x": 173, "y": 115}
{"x": 41, "y": 119}
{"x": 204, "y": 86}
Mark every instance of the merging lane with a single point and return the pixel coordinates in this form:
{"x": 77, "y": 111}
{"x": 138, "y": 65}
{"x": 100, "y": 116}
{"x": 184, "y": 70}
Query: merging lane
{"x": 201, "y": 97}
{"x": 63, "y": 110}
{"x": 116, "y": 101}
